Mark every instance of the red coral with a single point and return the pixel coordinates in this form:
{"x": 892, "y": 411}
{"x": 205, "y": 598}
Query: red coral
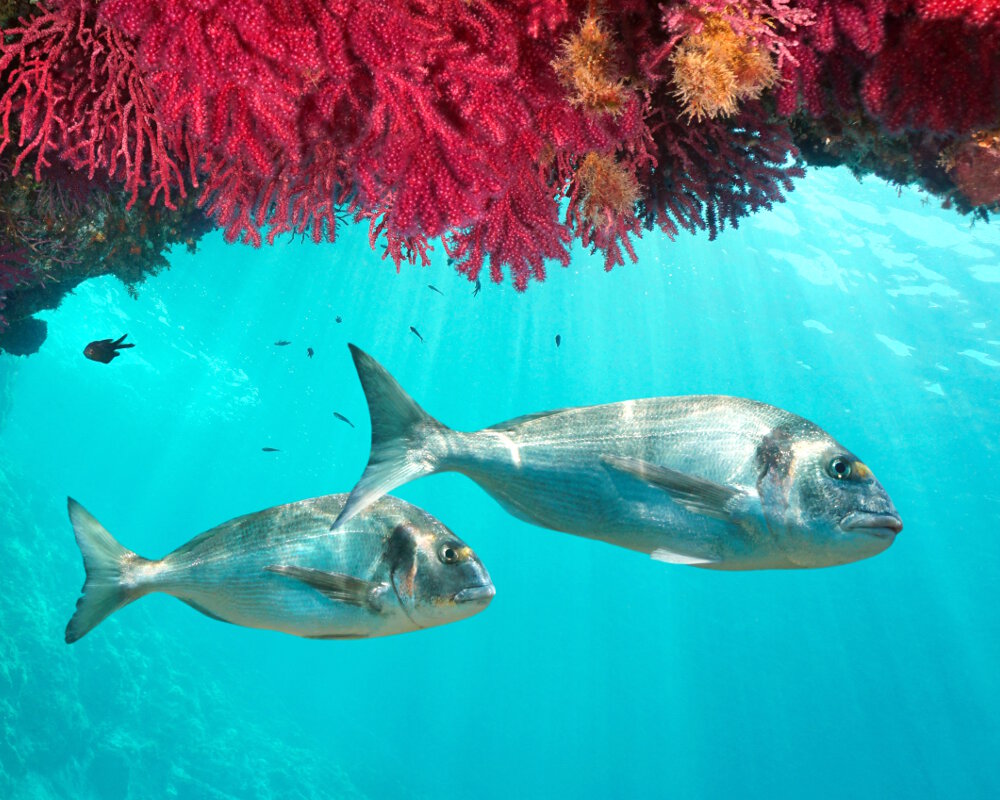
{"x": 74, "y": 89}
{"x": 974, "y": 12}
{"x": 427, "y": 118}
{"x": 976, "y": 170}
{"x": 910, "y": 64}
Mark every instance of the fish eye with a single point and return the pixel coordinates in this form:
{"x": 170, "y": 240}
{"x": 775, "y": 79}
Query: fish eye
{"x": 448, "y": 553}
{"x": 839, "y": 468}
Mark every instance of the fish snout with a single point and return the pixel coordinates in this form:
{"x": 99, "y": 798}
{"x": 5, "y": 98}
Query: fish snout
{"x": 877, "y": 523}
{"x": 481, "y": 595}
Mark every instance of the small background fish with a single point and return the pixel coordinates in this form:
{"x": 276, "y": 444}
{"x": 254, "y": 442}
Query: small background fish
{"x": 105, "y": 350}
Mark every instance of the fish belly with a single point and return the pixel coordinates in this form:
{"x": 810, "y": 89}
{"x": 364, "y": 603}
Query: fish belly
{"x": 276, "y": 602}
{"x": 588, "y": 501}
{"x": 224, "y": 574}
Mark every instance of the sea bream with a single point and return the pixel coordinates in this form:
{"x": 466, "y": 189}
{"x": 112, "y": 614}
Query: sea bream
{"x": 708, "y": 480}
{"x": 390, "y": 570}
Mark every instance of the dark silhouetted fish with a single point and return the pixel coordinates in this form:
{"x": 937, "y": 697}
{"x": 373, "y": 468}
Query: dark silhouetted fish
{"x": 270, "y": 449}
{"x": 558, "y": 340}
{"x": 714, "y": 481}
{"x": 338, "y": 320}
{"x": 282, "y": 343}
{"x": 392, "y": 570}
{"x": 416, "y": 333}
{"x": 478, "y": 289}
{"x": 342, "y": 418}
{"x": 434, "y": 288}
{"x": 310, "y": 352}
{"x": 104, "y": 350}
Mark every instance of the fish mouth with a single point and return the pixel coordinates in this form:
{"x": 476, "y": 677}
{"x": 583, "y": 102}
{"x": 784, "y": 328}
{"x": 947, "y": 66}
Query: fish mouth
{"x": 481, "y": 594}
{"x": 872, "y": 522}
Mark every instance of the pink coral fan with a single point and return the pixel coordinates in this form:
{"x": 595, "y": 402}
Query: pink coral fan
{"x": 73, "y": 83}
{"x": 505, "y": 129}
{"x": 910, "y": 64}
{"x": 431, "y": 119}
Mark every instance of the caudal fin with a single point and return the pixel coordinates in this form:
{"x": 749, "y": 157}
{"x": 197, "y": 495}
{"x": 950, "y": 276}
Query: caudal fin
{"x": 400, "y": 438}
{"x": 107, "y": 564}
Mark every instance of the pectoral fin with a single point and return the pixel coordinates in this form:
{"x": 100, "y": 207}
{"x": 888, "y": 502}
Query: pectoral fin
{"x": 698, "y": 495}
{"x": 342, "y": 588}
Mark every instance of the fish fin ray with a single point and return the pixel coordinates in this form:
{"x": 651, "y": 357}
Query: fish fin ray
{"x": 673, "y": 557}
{"x": 400, "y": 429}
{"x": 698, "y": 495}
{"x": 337, "y": 586}
{"x": 106, "y": 563}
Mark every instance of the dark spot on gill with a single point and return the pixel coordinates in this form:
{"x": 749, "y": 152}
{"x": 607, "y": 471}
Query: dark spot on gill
{"x": 774, "y": 455}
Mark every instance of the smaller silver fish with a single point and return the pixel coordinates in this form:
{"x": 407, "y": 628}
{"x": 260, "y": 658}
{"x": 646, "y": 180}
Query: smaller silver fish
{"x": 391, "y": 570}
{"x": 434, "y": 288}
{"x": 416, "y": 333}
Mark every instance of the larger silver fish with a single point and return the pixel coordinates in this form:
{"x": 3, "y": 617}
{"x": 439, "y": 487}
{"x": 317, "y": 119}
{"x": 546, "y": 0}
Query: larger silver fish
{"x": 391, "y": 570}
{"x": 713, "y": 481}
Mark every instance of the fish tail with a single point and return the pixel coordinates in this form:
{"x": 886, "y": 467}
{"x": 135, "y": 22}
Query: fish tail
{"x": 110, "y": 582}
{"x": 402, "y": 434}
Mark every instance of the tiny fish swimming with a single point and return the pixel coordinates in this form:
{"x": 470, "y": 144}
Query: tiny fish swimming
{"x": 707, "y": 480}
{"x": 391, "y": 570}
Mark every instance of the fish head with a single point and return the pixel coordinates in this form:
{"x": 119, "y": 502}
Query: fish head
{"x": 824, "y": 505}
{"x": 95, "y": 352}
{"x": 436, "y": 576}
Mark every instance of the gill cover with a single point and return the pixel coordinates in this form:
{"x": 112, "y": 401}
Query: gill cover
{"x": 401, "y": 556}
{"x": 775, "y": 458}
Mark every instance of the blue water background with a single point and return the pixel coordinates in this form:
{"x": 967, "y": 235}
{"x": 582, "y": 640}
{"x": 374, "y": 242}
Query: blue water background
{"x": 596, "y": 672}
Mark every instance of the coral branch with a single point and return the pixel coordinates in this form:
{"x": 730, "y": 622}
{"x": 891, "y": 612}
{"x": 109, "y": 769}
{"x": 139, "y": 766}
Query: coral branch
{"x": 73, "y": 90}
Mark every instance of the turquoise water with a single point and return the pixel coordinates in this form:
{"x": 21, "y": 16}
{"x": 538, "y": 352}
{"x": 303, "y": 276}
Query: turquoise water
{"x": 596, "y": 672}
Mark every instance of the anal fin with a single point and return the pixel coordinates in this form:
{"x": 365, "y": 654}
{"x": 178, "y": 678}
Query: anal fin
{"x": 201, "y": 609}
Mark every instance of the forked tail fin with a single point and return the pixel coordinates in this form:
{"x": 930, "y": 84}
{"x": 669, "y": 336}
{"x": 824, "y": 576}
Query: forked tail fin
{"x": 403, "y": 438}
{"x": 108, "y": 567}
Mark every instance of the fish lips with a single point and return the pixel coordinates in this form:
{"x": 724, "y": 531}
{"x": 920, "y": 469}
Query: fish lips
{"x": 475, "y": 594}
{"x": 874, "y": 523}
